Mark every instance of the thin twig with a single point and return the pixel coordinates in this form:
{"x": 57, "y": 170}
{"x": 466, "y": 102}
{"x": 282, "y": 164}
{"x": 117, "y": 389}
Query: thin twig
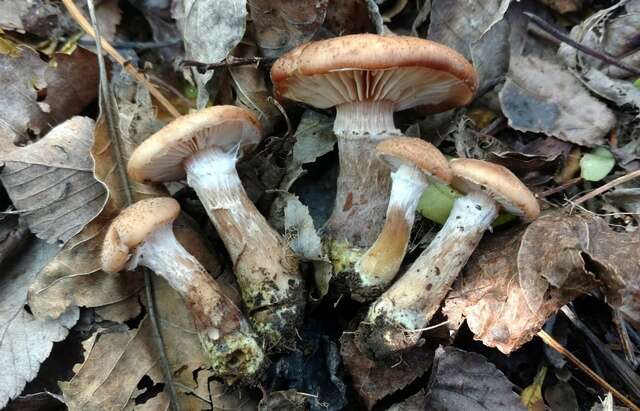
{"x": 110, "y": 117}
{"x": 230, "y": 61}
{"x": 551, "y": 342}
{"x": 607, "y": 187}
{"x": 138, "y": 45}
{"x": 601, "y": 55}
{"x": 76, "y": 14}
{"x": 559, "y": 188}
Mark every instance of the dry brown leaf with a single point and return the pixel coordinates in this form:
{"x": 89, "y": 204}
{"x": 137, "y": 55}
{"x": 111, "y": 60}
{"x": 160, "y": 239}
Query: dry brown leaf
{"x": 516, "y": 279}
{"x": 116, "y": 361}
{"x": 467, "y": 381}
{"x": 37, "y": 96}
{"x": 564, "y": 6}
{"x": 51, "y": 182}
{"x": 281, "y": 25}
{"x": 375, "y": 380}
{"x": 542, "y": 97}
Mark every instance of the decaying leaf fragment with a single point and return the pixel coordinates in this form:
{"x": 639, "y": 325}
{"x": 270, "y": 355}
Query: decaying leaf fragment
{"x": 612, "y": 30}
{"x": 375, "y": 380}
{"x": 51, "y": 182}
{"x": 542, "y": 97}
{"x": 464, "y": 25}
{"x": 516, "y": 279}
{"x": 116, "y": 361}
{"x": 463, "y": 380}
{"x": 284, "y": 24}
{"x": 38, "y": 95}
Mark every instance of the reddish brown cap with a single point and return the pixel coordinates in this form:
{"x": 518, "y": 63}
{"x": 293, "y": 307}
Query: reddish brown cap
{"x": 497, "y": 181}
{"x": 161, "y": 156}
{"x": 362, "y": 67}
{"x": 416, "y": 152}
{"x": 132, "y": 226}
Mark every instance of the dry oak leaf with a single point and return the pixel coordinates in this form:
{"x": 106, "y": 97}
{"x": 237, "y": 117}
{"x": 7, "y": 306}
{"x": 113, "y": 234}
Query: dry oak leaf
{"x": 25, "y": 342}
{"x": 281, "y": 25}
{"x": 38, "y": 95}
{"x": 374, "y": 380}
{"x": 463, "y": 380}
{"x": 542, "y": 97}
{"x": 51, "y": 182}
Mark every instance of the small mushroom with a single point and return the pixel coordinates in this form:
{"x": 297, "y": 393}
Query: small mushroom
{"x": 413, "y": 163}
{"x": 367, "y": 78}
{"x": 395, "y": 320}
{"x": 142, "y": 235}
{"x": 205, "y": 146}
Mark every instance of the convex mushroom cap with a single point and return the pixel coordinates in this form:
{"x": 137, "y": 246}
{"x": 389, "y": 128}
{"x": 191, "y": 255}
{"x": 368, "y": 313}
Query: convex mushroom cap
{"x": 132, "y": 227}
{"x": 498, "y": 182}
{"x": 161, "y": 156}
{"x": 412, "y": 151}
{"x": 408, "y": 71}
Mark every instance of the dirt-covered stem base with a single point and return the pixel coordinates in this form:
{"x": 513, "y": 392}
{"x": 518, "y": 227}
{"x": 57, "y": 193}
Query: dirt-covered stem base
{"x": 266, "y": 269}
{"x": 230, "y": 347}
{"x": 395, "y": 320}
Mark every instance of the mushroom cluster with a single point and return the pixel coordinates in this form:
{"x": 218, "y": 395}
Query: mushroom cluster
{"x": 381, "y": 179}
{"x": 367, "y": 78}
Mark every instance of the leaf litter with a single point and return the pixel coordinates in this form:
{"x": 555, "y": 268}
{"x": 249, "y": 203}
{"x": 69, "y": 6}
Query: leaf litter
{"x": 562, "y": 120}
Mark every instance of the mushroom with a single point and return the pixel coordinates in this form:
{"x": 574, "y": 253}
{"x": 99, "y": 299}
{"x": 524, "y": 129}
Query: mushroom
{"x": 205, "y": 146}
{"x": 413, "y": 162}
{"x": 142, "y": 235}
{"x": 395, "y": 320}
{"x": 367, "y": 78}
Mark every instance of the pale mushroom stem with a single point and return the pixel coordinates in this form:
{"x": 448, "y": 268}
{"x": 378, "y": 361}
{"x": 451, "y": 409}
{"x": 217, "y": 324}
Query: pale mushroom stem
{"x": 395, "y": 320}
{"x": 380, "y": 263}
{"x": 228, "y": 342}
{"x": 265, "y": 267}
{"x": 363, "y": 181}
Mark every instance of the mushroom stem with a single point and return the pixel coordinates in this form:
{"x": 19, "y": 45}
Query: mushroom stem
{"x": 380, "y": 263}
{"x": 266, "y": 269}
{"x": 363, "y": 181}
{"x": 228, "y": 342}
{"x": 394, "y": 321}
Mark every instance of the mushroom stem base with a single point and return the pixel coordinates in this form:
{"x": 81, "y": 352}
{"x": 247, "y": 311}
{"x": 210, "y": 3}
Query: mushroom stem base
{"x": 266, "y": 269}
{"x": 394, "y": 321}
{"x": 229, "y": 345}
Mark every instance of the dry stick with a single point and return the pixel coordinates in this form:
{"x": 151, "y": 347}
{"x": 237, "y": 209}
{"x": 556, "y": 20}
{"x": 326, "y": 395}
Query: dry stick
{"x": 76, "y": 14}
{"x": 559, "y": 188}
{"x": 230, "y": 61}
{"x": 627, "y": 346}
{"x": 116, "y": 141}
{"x": 551, "y": 342}
{"x": 607, "y": 187}
{"x": 601, "y": 55}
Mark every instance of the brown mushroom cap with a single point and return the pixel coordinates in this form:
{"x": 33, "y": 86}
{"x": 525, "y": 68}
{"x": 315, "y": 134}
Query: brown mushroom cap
{"x": 362, "y": 67}
{"x": 132, "y": 226}
{"x": 501, "y": 184}
{"x": 161, "y": 156}
{"x": 416, "y": 152}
